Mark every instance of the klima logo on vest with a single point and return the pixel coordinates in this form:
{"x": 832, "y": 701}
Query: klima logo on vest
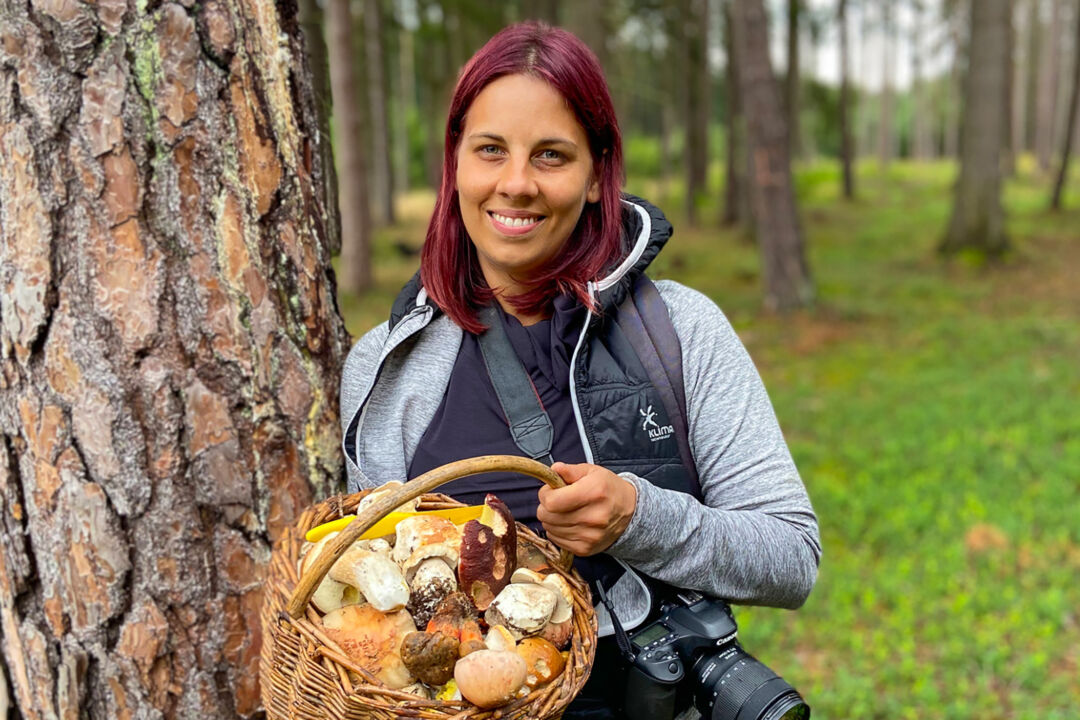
{"x": 657, "y": 432}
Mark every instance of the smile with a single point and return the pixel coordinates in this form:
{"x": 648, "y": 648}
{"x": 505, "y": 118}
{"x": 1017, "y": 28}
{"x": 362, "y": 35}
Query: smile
{"x": 515, "y": 224}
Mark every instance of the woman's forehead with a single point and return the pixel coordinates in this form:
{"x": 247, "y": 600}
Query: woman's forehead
{"x": 522, "y": 106}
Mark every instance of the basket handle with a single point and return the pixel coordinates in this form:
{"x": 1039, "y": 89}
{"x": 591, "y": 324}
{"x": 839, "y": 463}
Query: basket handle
{"x": 415, "y": 488}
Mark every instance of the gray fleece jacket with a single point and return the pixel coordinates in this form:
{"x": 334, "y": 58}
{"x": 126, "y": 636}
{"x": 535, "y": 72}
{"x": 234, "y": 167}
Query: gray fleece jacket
{"x": 754, "y": 539}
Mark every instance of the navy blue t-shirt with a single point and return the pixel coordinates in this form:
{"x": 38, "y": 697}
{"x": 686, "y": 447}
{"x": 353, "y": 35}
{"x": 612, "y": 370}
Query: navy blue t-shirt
{"x": 470, "y": 421}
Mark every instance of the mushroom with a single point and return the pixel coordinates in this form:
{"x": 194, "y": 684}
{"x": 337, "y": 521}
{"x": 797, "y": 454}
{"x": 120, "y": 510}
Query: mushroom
{"x": 525, "y": 575}
{"x": 499, "y": 638}
{"x": 373, "y": 574}
{"x": 425, "y": 536}
{"x": 382, "y": 491}
{"x": 372, "y": 639}
{"x": 490, "y": 678}
{"x": 432, "y": 581}
{"x": 558, "y": 634}
{"x": 543, "y": 660}
{"x": 450, "y": 617}
{"x": 471, "y": 638}
{"x": 564, "y": 604}
{"x": 430, "y": 656}
{"x": 488, "y": 553}
{"x": 524, "y": 608}
{"x": 331, "y": 594}
{"x": 529, "y": 556}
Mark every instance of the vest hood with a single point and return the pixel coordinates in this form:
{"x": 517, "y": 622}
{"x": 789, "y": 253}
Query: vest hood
{"x": 645, "y": 232}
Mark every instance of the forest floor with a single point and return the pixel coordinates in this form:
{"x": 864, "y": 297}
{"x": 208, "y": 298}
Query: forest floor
{"x": 933, "y": 409}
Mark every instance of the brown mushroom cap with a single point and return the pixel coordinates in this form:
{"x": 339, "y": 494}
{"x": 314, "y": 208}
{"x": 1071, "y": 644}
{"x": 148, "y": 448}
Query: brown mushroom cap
{"x": 544, "y": 661}
{"x": 419, "y": 531}
{"x": 430, "y": 656}
{"x": 490, "y": 678}
{"x": 488, "y": 553}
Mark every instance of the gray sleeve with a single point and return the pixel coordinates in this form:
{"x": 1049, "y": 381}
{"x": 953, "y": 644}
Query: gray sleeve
{"x": 755, "y": 539}
{"x": 356, "y": 378}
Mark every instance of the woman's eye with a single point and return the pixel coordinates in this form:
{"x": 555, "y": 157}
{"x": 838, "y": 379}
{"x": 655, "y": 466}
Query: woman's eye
{"x": 490, "y": 149}
{"x": 551, "y": 155}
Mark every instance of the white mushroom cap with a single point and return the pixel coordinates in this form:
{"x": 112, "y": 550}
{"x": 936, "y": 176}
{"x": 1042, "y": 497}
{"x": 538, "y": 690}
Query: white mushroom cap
{"x": 375, "y": 575}
{"x": 418, "y": 531}
{"x": 564, "y": 607}
{"x": 525, "y": 575}
{"x": 525, "y": 607}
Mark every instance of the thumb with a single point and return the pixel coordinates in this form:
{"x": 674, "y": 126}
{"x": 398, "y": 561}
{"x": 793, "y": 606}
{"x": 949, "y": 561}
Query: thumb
{"x": 571, "y": 473}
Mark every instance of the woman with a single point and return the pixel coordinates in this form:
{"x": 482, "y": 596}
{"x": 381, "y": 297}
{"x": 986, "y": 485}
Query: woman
{"x": 529, "y": 220}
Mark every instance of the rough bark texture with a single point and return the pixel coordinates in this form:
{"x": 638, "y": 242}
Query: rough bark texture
{"x": 169, "y": 347}
{"x": 349, "y": 151}
{"x": 776, "y": 219}
{"x": 978, "y": 220}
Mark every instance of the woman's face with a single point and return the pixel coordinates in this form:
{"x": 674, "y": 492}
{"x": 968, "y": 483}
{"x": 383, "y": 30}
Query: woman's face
{"x": 524, "y": 174}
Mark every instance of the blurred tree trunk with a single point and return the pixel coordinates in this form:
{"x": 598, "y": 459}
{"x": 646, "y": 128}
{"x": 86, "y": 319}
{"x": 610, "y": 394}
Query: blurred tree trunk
{"x": 922, "y": 145}
{"x": 382, "y": 182}
{"x": 1008, "y": 159}
{"x": 776, "y": 219}
{"x": 791, "y": 89}
{"x": 349, "y": 150}
{"x": 406, "y": 102}
{"x": 169, "y": 348}
{"x": 694, "y": 17}
{"x": 736, "y": 208}
{"x": 951, "y": 141}
{"x": 978, "y": 219}
{"x": 1047, "y": 102}
{"x": 591, "y": 21}
{"x": 1019, "y": 72}
{"x": 1071, "y": 123}
{"x": 311, "y": 23}
{"x": 1031, "y": 78}
{"x": 885, "y": 121}
{"x": 846, "y": 145}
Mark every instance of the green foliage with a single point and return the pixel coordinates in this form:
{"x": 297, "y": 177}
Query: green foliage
{"x": 932, "y": 410}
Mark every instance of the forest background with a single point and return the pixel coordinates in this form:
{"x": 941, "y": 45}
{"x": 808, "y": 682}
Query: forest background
{"x": 929, "y": 393}
{"x": 203, "y": 203}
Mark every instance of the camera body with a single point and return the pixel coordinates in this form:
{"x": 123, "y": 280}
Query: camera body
{"x": 695, "y": 638}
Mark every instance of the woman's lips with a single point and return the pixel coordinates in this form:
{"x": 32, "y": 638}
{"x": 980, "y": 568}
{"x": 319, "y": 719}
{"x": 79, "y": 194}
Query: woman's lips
{"x": 514, "y": 225}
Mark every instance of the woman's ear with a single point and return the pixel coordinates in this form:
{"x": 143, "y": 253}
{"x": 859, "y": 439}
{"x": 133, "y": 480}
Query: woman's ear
{"x": 593, "y": 193}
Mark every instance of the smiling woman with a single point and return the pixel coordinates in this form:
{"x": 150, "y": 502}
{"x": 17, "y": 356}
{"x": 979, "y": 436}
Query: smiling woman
{"x": 524, "y": 174}
{"x": 531, "y": 233}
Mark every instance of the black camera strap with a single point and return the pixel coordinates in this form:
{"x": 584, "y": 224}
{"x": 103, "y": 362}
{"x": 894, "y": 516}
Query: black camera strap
{"x": 529, "y": 423}
{"x": 621, "y": 638}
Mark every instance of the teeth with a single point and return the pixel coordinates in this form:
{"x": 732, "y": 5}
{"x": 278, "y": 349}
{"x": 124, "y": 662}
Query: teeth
{"x": 514, "y": 222}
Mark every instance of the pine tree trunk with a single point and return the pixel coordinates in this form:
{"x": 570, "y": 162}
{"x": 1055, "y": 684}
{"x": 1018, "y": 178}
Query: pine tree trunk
{"x": 736, "y": 207}
{"x": 1047, "y": 102}
{"x": 695, "y": 19}
{"x": 382, "y": 183}
{"x": 1071, "y": 123}
{"x": 349, "y": 151}
{"x": 311, "y": 23}
{"x": 791, "y": 89}
{"x": 885, "y": 121}
{"x": 1018, "y": 127}
{"x": 846, "y": 144}
{"x": 776, "y": 220}
{"x": 978, "y": 219}
{"x": 169, "y": 348}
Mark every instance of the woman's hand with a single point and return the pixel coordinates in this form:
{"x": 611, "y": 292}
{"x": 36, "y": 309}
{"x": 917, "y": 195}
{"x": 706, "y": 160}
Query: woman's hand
{"x": 591, "y": 512}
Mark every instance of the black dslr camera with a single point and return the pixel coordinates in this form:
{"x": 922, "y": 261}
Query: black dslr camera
{"x": 699, "y": 633}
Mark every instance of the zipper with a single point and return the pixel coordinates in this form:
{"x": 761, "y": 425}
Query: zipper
{"x": 573, "y": 379}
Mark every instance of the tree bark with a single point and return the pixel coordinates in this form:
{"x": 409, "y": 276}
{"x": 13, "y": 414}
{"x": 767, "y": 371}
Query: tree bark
{"x": 922, "y": 144}
{"x": 349, "y": 150}
{"x": 736, "y": 207}
{"x": 311, "y": 23}
{"x": 1047, "y": 102}
{"x": 885, "y": 119}
{"x": 1020, "y": 60}
{"x": 169, "y": 348}
{"x": 382, "y": 183}
{"x": 776, "y": 220}
{"x": 1070, "y": 125}
{"x": 978, "y": 219}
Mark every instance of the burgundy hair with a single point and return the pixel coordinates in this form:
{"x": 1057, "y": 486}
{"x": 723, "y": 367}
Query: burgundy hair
{"x": 449, "y": 268}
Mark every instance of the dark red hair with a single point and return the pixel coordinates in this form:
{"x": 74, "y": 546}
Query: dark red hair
{"x": 448, "y": 265}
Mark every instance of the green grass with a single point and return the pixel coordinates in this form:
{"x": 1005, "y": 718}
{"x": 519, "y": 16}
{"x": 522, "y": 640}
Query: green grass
{"x": 933, "y": 409}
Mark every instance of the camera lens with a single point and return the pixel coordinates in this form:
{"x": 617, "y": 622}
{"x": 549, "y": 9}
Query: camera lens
{"x": 733, "y": 685}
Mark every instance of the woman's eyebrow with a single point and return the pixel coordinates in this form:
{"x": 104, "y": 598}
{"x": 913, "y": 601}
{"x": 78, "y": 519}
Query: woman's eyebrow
{"x": 487, "y": 136}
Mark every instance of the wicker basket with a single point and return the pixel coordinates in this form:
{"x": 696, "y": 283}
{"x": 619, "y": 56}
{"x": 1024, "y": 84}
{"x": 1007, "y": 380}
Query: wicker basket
{"x": 306, "y": 675}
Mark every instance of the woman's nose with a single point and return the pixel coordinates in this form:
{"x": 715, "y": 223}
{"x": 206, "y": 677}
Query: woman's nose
{"x": 516, "y": 179}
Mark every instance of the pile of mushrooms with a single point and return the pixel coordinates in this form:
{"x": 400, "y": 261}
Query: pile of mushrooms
{"x": 446, "y": 611}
